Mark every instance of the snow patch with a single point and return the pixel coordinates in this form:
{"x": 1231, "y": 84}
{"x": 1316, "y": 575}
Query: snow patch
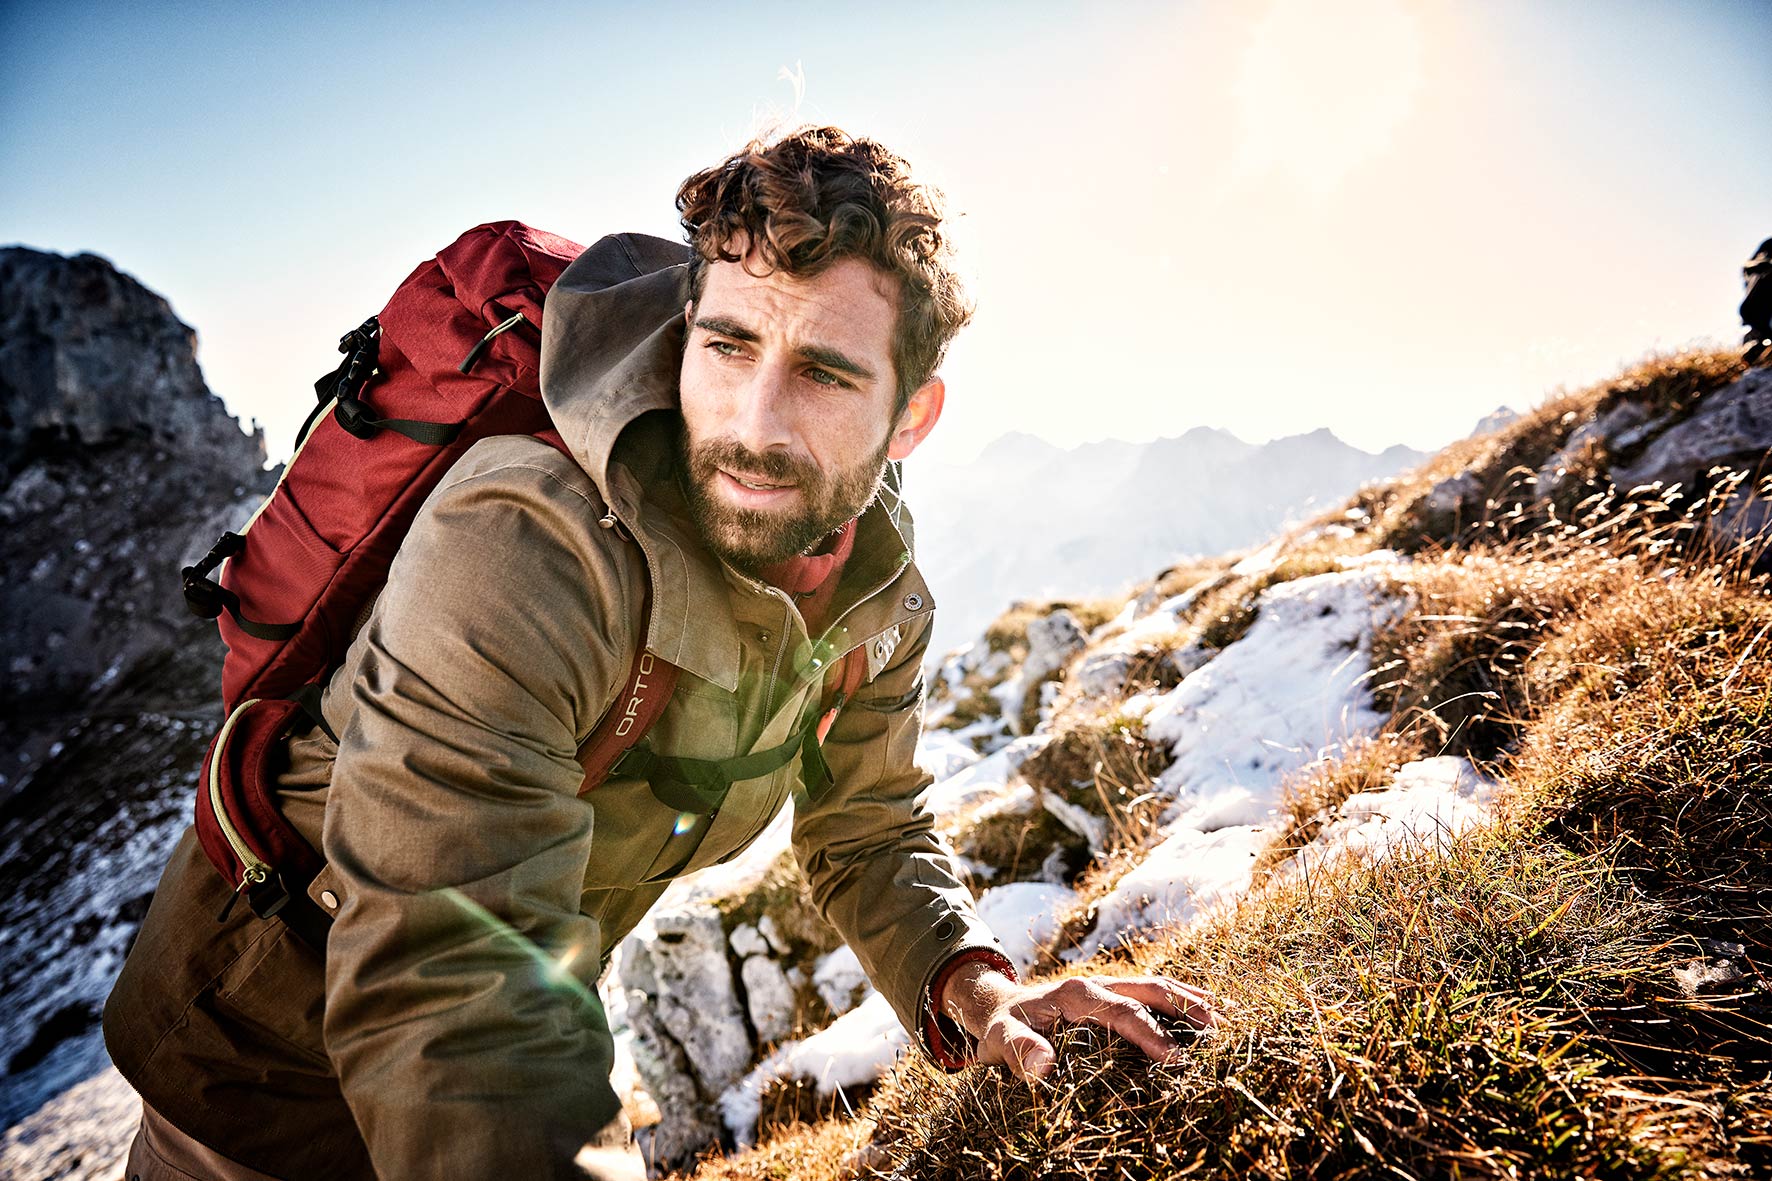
{"x": 1024, "y": 917}
{"x": 1291, "y": 689}
{"x": 987, "y": 777}
{"x": 855, "y": 1049}
{"x": 944, "y": 754}
{"x": 1426, "y": 805}
{"x": 1187, "y": 873}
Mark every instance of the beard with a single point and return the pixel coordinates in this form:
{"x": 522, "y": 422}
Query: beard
{"x": 752, "y": 539}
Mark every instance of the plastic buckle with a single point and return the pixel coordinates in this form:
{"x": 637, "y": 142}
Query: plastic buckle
{"x": 202, "y": 596}
{"x": 268, "y": 897}
{"x": 352, "y": 414}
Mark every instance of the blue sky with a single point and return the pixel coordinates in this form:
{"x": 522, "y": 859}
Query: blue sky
{"x": 1379, "y": 216}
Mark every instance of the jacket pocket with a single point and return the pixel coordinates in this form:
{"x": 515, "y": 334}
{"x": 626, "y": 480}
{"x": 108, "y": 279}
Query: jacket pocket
{"x": 278, "y": 986}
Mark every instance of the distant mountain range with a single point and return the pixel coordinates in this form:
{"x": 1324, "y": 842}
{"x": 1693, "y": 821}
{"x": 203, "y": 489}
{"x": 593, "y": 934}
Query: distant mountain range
{"x": 1029, "y": 519}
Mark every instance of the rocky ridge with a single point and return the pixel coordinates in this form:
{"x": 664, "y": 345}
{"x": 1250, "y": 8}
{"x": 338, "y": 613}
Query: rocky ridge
{"x": 117, "y": 466}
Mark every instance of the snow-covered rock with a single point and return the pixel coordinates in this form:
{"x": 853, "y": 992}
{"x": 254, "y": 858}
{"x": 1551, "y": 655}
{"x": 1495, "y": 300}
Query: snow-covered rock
{"x": 840, "y": 980}
{"x": 1052, "y": 640}
{"x": 1294, "y": 686}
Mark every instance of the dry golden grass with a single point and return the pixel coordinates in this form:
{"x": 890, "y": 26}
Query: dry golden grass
{"x": 1015, "y": 844}
{"x": 1507, "y": 1009}
{"x": 825, "y": 1149}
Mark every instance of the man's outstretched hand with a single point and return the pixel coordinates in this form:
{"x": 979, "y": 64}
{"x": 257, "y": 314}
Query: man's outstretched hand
{"x": 1011, "y": 1020}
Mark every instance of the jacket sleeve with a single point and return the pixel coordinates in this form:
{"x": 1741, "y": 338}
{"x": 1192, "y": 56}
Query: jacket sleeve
{"x": 870, "y": 852}
{"x": 461, "y": 1011}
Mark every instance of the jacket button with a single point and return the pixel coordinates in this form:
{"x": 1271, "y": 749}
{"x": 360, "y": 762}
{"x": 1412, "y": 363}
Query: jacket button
{"x": 762, "y": 637}
{"x": 944, "y": 929}
{"x": 913, "y": 602}
{"x": 329, "y": 899}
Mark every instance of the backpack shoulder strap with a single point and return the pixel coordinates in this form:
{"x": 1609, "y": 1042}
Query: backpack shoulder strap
{"x": 644, "y": 693}
{"x": 639, "y": 705}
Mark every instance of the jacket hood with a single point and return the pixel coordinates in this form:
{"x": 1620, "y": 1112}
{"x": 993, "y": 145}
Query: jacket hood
{"x": 612, "y": 343}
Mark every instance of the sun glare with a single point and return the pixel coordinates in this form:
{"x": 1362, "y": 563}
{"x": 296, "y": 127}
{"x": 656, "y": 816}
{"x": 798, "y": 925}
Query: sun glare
{"x": 1322, "y": 88}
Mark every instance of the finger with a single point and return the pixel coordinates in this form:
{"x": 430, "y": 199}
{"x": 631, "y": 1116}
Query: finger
{"x": 1132, "y": 1021}
{"x": 1192, "y": 1005}
{"x": 1009, "y": 1042}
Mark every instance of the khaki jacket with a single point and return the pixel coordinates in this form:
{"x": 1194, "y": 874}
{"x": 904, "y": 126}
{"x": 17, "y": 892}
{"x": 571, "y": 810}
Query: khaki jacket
{"x": 452, "y": 1026}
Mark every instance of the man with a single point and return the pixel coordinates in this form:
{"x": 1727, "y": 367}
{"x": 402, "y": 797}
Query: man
{"x": 730, "y": 418}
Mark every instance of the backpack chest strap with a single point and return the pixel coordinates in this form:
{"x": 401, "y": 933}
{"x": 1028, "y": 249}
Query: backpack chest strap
{"x": 699, "y": 786}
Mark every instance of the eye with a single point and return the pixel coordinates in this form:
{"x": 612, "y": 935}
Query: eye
{"x": 725, "y": 348}
{"x": 826, "y": 377}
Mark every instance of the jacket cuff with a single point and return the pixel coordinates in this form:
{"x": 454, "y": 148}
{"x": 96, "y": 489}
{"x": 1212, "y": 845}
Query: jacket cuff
{"x": 950, "y": 1046}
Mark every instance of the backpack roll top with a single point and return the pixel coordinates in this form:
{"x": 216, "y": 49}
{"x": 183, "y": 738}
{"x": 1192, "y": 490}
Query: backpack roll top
{"x": 453, "y": 358}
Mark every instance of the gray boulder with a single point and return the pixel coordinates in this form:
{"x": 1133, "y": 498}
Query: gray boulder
{"x": 1730, "y": 427}
{"x": 691, "y": 1038}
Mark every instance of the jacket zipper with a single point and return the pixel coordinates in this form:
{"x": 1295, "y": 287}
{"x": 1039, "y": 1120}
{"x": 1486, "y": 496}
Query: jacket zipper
{"x": 818, "y": 667}
{"x": 787, "y": 627}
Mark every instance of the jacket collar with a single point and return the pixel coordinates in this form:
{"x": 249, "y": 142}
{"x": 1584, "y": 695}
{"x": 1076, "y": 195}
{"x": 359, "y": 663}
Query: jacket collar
{"x": 612, "y": 346}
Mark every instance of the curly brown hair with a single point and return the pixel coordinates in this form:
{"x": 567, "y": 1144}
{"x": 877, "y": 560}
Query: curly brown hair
{"x": 817, "y": 195}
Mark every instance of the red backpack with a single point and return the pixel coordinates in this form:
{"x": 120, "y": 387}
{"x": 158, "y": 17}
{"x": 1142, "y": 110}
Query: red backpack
{"x": 452, "y": 359}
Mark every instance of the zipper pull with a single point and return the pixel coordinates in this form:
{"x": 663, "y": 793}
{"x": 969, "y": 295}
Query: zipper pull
{"x": 251, "y": 877}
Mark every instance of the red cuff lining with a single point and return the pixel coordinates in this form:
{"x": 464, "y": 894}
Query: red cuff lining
{"x": 941, "y": 1043}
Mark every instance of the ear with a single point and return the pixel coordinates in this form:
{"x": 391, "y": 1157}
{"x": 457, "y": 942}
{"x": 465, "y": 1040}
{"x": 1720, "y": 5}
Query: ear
{"x": 689, "y": 314}
{"x": 918, "y": 419}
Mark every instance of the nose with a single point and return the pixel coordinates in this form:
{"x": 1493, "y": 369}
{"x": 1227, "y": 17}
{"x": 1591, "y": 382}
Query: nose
{"x": 761, "y": 417}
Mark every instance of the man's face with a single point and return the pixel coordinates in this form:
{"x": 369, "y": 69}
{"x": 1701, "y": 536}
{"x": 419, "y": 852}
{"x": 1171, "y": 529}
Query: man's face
{"x": 788, "y": 389}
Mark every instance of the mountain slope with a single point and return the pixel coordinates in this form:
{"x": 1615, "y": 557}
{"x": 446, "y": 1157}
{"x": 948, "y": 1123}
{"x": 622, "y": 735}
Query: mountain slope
{"x": 117, "y": 467}
{"x": 1456, "y": 795}
{"x": 1027, "y": 519}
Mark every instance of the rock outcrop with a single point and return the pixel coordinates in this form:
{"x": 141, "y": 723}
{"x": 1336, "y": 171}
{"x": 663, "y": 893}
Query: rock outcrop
{"x": 1690, "y": 432}
{"x": 117, "y": 467}
{"x": 89, "y": 358}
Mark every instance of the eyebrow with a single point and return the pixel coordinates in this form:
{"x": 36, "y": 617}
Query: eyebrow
{"x": 818, "y": 354}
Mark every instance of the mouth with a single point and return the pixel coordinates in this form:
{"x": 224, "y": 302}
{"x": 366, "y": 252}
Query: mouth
{"x": 753, "y": 490}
